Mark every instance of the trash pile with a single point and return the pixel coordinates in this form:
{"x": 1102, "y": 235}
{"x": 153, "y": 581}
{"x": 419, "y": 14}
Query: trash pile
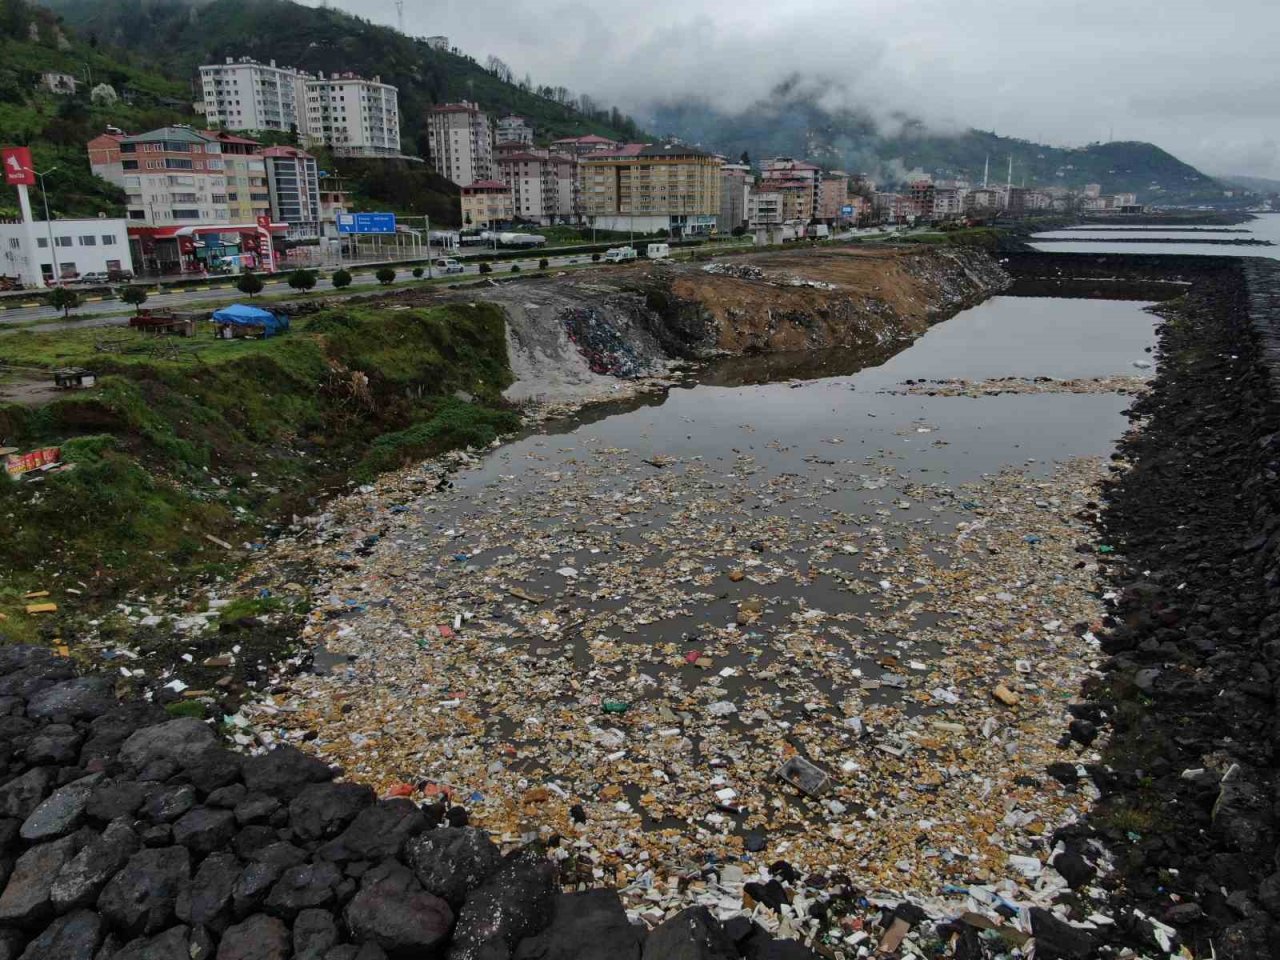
{"x": 606, "y": 348}
{"x": 741, "y": 271}
{"x": 996, "y": 386}
{"x": 683, "y": 670}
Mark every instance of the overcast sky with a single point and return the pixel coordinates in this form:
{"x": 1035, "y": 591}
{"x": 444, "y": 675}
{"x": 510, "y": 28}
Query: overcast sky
{"x": 1198, "y": 78}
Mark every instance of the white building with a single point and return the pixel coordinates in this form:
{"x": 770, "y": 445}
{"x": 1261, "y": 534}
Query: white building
{"x": 461, "y": 142}
{"x": 353, "y": 116}
{"x": 764, "y": 207}
{"x": 438, "y": 43}
{"x": 513, "y": 129}
{"x": 60, "y": 83}
{"x": 247, "y": 95}
{"x": 80, "y": 247}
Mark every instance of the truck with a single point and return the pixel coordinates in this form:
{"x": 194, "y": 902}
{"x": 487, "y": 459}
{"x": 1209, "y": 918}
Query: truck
{"x": 619, "y": 254}
{"x": 521, "y": 240}
{"x": 658, "y": 251}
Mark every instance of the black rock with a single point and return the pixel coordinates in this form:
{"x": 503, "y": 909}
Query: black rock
{"x": 58, "y": 744}
{"x": 514, "y": 903}
{"x": 173, "y": 944}
{"x": 26, "y": 900}
{"x": 377, "y": 832}
{"x": 739, "y": 928}
{"x": 754, "y": 841}
{"x": 179, "y": 741}
{"x": 257, "y": 938}
{"x": 159, "y": 835}
{"x": 452, "y": 862}
{"x": 212, "y": 768}
{"x": 206, "y": 901}
{"x": 11, "y": 943}
{"x": 169, "y": 802}
{"x": 577, "y": 813}
{"x": 302, "y": 887}
{"x": 255, "y": 808}
{"x": 61, "y": 813}
{"x": 769, "y": 949}
{"x": 692, "y": 934}
{"x": 1065, "y": 773}
{"x": 205, "y": 829}
{"x": 591, "y": 925}
{"x": 140, "y": 898}
{"x": 284, "y": 772}
{"x": 392, "y": 910}
{"x": 73, "y": 936}
{"x": 1083, "y": 732}
{"x": 84, "y": 698}
{"x": 457, "y": 817}
{"x": 772, "y": 894}
{"x": 109, "y": 731}
{"x": 1058, "y": 940}
{"x": 21, "y": 795}
{"x": 82, "y": 878}
{"x": 314, "y": 934}
{"x": 323, "y": 810}
{"x": 228, "y": 797}
{"x": 1075, "y": 869}
{"x": 38, "y": 674}
{"x": 252, "y": 886}
{"x": 110, "y": 801}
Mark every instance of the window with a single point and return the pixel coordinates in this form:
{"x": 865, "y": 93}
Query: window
{"x": 63, "y": 241}
{"x": 88, "y": 240}
{"x": 113, "y": 264}
{"x": 108, "y": 240}
{"x": 14, "y": 243}
{"x": 129, "y": 164}
{"x": 186, "y": 214}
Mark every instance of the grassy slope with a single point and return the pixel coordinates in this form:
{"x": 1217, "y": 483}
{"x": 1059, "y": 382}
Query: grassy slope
{"x": 167, "y": 451}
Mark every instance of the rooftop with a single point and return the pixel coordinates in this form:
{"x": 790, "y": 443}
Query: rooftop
{"x": 486, "y": 185}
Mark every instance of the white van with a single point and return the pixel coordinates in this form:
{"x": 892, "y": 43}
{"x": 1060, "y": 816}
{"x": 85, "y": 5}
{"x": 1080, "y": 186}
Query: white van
{"x": 448, "y": 265}
{"x": 658, "y": 251}
{"x": 619, "y": 254}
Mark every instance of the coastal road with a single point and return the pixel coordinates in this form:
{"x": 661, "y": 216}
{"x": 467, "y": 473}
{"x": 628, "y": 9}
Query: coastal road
{"x": 108, "y": 312}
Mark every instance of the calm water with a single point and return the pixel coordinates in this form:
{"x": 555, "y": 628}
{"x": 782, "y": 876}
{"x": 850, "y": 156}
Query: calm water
{"x": 1264, "y": 227}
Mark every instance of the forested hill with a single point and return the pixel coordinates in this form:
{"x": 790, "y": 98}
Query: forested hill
{"x": 176, "y": 36}
{"x": 791, "y": 122}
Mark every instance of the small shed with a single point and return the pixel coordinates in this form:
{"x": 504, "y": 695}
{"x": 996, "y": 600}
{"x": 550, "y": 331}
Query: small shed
{"x": 74, "y": 378}
{"x": 239, "y": 320}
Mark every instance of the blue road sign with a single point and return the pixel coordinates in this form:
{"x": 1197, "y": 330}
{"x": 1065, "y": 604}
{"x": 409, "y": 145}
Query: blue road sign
{"x": 366, "y": 223}
{"x": 846, "y": 210}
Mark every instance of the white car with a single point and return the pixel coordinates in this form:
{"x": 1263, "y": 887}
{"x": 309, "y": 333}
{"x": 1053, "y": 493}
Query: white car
{"x": 97, "y": 276}
{"x": 447, "y": 265}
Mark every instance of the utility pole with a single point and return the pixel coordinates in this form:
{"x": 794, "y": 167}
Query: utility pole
{"x": 44, "y": 196}
{"x": 430, "y": 274}
{"x": 400, "y": 14}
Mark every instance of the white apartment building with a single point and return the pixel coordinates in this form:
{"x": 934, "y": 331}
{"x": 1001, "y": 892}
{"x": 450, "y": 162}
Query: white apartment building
{"x": 543, "y": 186}
{"x": 80, "y": 247}
{"x": 353, "y": 116}
{"x": 247, "y": 95}
{"x": 461, "y": 142}
{"x": 513, "y": 129}
{"x": 764, "y": 208}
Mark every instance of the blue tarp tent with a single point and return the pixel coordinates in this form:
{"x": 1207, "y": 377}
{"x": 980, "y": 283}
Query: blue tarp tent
{"x": 240, "y": 315}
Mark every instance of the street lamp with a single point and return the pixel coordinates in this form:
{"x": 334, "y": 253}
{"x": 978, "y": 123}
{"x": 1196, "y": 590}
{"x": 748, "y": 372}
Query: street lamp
{"x": 44, "y": 197}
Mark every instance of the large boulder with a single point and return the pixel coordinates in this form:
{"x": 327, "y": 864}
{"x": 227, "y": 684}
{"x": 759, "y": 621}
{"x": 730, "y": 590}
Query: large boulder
{"x": 140, "y": 899}
{"x": 205, "y": 829}
{"x": 110, "y": 801}
{"x": 1058, "y": 940}
{"x": 84, "y": 698}
{"x": 73, "y": 936}
{"x": 692, "y": 934}
{"x": 207, "y": 900}
{"x": 21, "y": 795}
{"x": 82, "y": 878}
{"x": 392, "y": 910}
{"x": 31, "y": 670}
{"x": 169, "y": 802}
{"x": 26, "y": 900}
{"x": 314, "y": 934}
{"x": 180, "y": 741}
{"x": 514, "y": 903}
{"x": 109, "y": 731}
{"x": 62, "y": 812}
{"x": 451, "y": 862}
{"x": 322, "y": 810}
{"x": 173, "y": 944}
{"x": 257, "y": 938}
{"x": 377, "y": 832}
{"x": 284, "y": 772}
{"x": 213, "y": 768}
{"x": 57, "y": 744}
{"x": 302, "y": 887}
{"x": 590, "y": 925}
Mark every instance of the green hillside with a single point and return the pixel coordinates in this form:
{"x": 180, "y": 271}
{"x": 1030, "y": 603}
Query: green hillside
{"x": 176, "y": 36}
{"x": 791, "y": 122}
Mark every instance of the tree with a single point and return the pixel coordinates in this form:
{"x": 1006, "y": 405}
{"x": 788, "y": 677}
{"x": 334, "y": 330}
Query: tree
{"x": 485, "y": 268}
{"x": 745, "y": 158}
{"x": 340, "y": 279}
{"x": 302, "y": 280}
{"x": 544, "y": 263}
{"x": 515, "y": 268}
{"x": 417, "y": 273}
{"x": 134, "y": 296}
{"x": 386, "y": 276}
{"x": 595, "y": 258}
{"x": 249, "y": 283}
{"x": 60, "y": 298}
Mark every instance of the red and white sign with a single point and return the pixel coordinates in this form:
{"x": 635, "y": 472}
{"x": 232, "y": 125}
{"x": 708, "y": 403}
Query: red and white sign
{"x": 264, "y": 222}
{"x": 18, "y": 464}
{"x": 18, "y": 170}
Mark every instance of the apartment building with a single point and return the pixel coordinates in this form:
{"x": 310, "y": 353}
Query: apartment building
{"x": 786, "y": 170}
{"x": 948, "y": 202}
{"x": 544, "y": 186}
{"x": 293, "y": 178}
{"x": 920, "y": 194}
{"x": 486, "y": 203}
{"x": 244, "y": 94}
{"x": 352, "y": 116}
{"x": 735, "y": 183}
{"x": 833, "y": 196}
{"x": 764, "y": 208}
{"x": 173, "y": 175}
{"x": 648, "y": 188}
{"x": 584, "y": 146}
{"x": 513, "y": 129}
{"x": 248, "y": 195}
{"x": 461, "y": 142}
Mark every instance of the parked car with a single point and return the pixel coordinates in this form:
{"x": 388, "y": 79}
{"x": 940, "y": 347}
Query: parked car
{"x": 99, "y": 277}
{"x": 119, "y": 276}
{"x": 447, "y": 265}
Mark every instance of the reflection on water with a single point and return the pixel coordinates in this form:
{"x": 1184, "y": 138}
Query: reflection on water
{"x": 1263, "y": 227}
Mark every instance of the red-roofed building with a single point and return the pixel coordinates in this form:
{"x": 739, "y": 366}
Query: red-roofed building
{"x": 544, "y": 186}
{"x": 486, "y": 203}
{"x": 582, "y": 146}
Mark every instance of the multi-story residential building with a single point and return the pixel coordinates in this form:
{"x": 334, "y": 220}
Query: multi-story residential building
{"x": 833, "y": 196}
{"x": 335, "y": 198}
{"x": 893, "y": 207}
{"x": 584, "y": 146}
{"x": 797, "y": 199}
{"x": 79, "y": 247}
{"x": 486, "y": 203}
{"x": 920, "y": 193}
{"x": 984, "y": 200}
{"x": 461, "y": 142}
{"x": 352, "y": 116}
{"x": 735, "y": 182}
{"x": 948, "y": 202}
{"x": 293, "y": 178}
{"x": 248, "y": 195}
{"x": 247, "y": 95}
{"x": 789, "y": 170}
{"x": 764, "y": 208}
{"x": 513, "y": 129}
{"x": 649, "y": 188}
{"x": 171, "y": 175}
{"x": 544, "y": 186}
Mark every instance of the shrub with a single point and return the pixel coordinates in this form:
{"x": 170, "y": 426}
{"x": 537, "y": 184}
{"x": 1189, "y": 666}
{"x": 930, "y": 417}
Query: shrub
{"x": 302, "y": 280}
{"x": 544, "y": 263}
{"x": 515, "y": 268}
{"x": 595, "y": 258}
{"x": 249, "y": 283}
{"x": 134, "y": 296}
{"x": 60, "y": 298}
{"x": 340, "y": 279}
{"x": 485, "y": 268}
{"x": 417, "y": 273}
{"x": 386, "y": 276}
